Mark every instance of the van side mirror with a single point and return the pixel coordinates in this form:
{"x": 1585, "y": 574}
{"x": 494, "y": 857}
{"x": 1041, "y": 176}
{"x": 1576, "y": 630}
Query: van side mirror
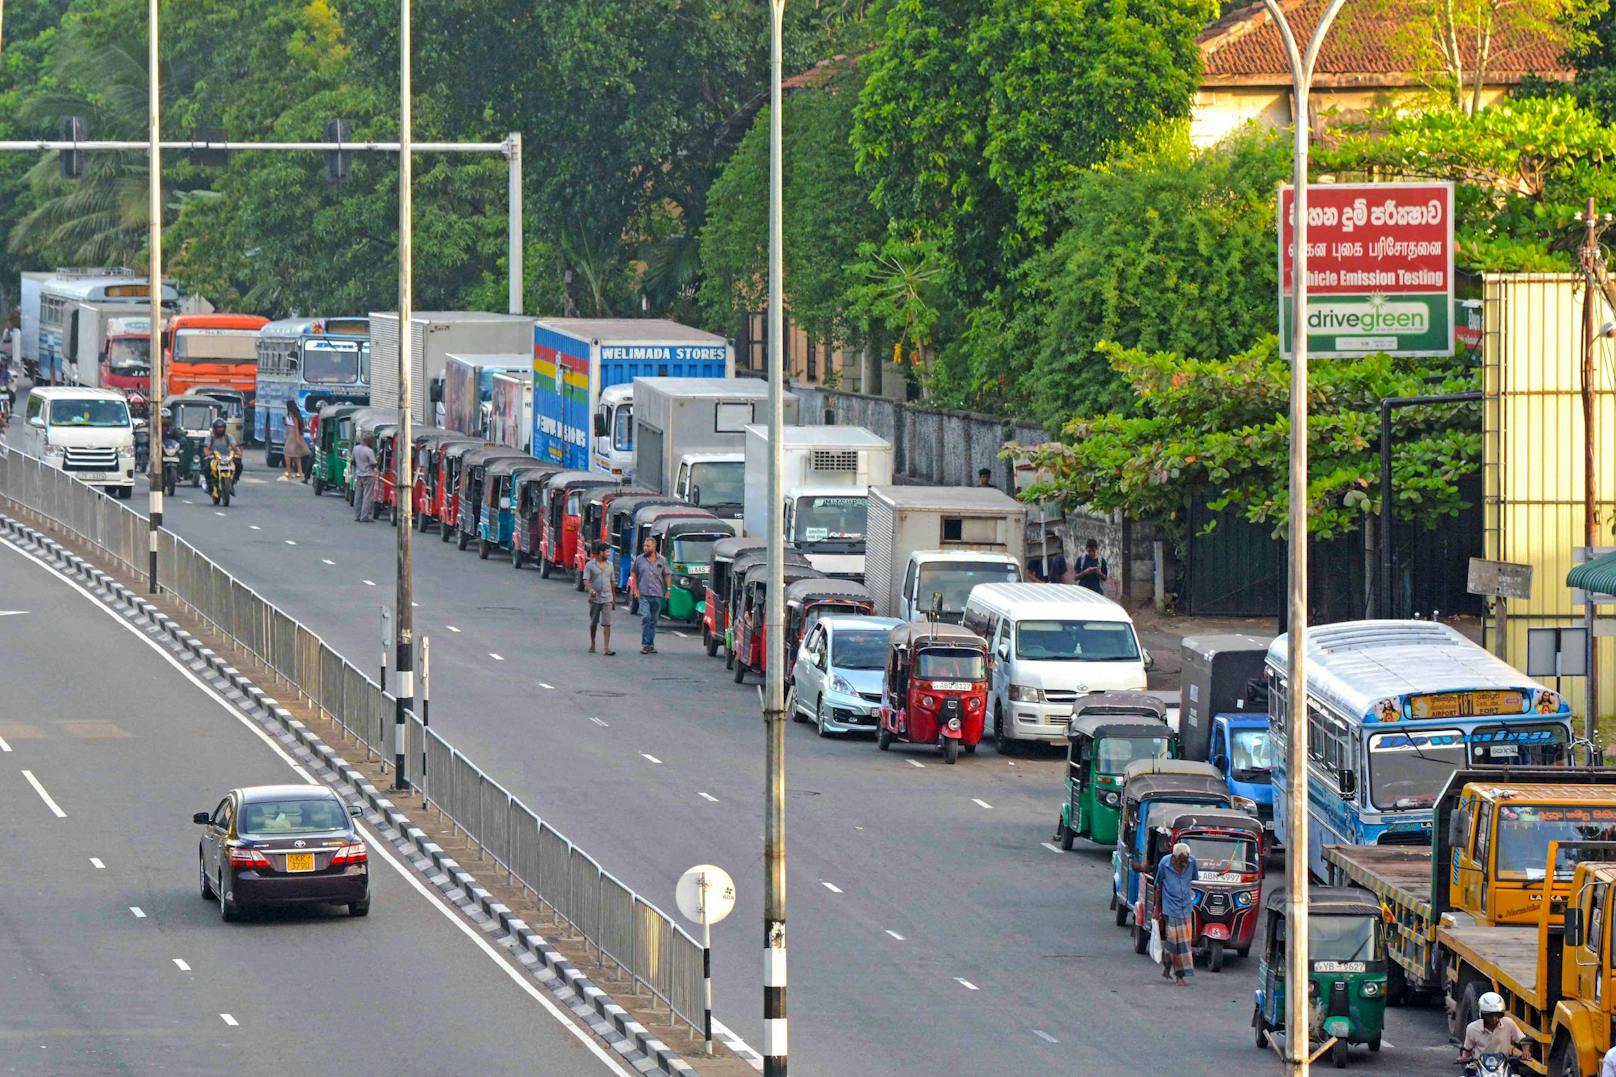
{"x": 695, "y": 495}
{"x": 1573, "y": 927}
{"x": 600, "y": 425}
{"x": 434, "y": 390}
{"x": 201, "y": 818}
{"x": 1150, "y": 660}
{"x": 1004, "y": 652}
{"x": 36, "y": 421}
{"x": 1347, "y": 783}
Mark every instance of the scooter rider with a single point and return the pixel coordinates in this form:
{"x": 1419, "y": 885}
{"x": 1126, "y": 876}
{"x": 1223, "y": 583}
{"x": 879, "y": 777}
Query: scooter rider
{"x": 219, "y": 440}
{"x": 1492, "y": 1034}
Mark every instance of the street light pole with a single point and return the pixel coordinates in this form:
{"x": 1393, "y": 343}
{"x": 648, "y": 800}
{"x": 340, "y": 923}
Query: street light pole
{"x": 774, "y": 797}
{"x": 404, "y": 442}
{"x": 1297, "y": 1022}
{"x": 154, "y": 275}
{"x": 514, "y": 222}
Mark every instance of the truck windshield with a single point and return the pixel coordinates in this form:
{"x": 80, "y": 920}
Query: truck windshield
{"x": 1112, "y": 754}
{"x": 950, "y": 664}
{"x": 1525, "y": 830}
{"x": 694, "y": 551}
{"x": 954, "y": 580}
{"x": 1408, "y": 770}
{"x": 718, "y": 482}
{"x": 330, "y": 362}
{"x": 832, "y": 521}
{"x": 1076, "y": 641}
{"x": 129, "y": 356}
{"x": 89, "y": 413}
{"x": 859, "y": 650}
{"x": 1342, "y": 938}
{"x": 623, "y": 429}
{"x": 1216, "y": 854}
{"x": 1252, "y": 760}
{"x": 216, "y": 346}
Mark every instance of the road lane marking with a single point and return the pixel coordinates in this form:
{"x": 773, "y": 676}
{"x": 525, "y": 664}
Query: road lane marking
{"x": 680, "y": 634}
{"x": 227, "y": 1019}
{"x": 139, "y": 915}
{"x": 597, "y": 721}
{"x": 832, "y": 887}
{"x": 551, "y": 687}
{"x": 370, "y": 583}
{"x": 496, "y": 657}
{"x": 651, "y": 757}
{"x": 915, "y": 763}
{"x": 968, "y": 985}
{"x": 4, "y": 747}
{"x": 1046, "y": 1037}
{"x": 328, "y": 560}
{"x": 290, "y": 542}
{"x": 1051, "y": 846}
{"x": 46, "y": 797}
{"x": 95, "y": 862}
{"x": 180, "y": 964}
{"x": 452, "y": 628}
{"x": 254, "y": 527}
{"x": 708, "y": 796}
{"x": 373, "y": 841}
{"x": 981, "y": 803}
{"x": 894, "y": 934}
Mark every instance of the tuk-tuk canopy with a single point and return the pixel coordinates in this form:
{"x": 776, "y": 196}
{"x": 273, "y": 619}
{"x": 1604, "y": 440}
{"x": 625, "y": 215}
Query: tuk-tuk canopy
{"x": 747, "y": 560}
{"x": 1146, "y": 784}
{"x": 455, "y": 450}
{"x": 1328, "y": 901}
{"x": 676, "y": 526}
{"x": 1119, "y": 704}
{"x": 1187, "y": 767}
{"x": 597, "y": 495}
{"x": 536, "y": 475}
{"x": 664, "y": 513}
{"x": 1100, "y": 726}
{"x": 731, "y": 548}
{"x": 507, "y": 464}
{"x": 421, "y": 433}
{"x": 921, "y": 633}
{"x": 826, "y": 587}
{"x": 487, "y": 454}
{"x": 1216, "y": 819}
{"x": 188, "y": 401}
{"x": 758, "y": 572}
{"x": 628, "y": 506}
{"x": 567, "y": 478}
{"x": 336, "y": 409}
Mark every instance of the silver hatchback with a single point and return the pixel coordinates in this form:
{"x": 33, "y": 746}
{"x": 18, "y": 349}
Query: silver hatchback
{"x": 836, "y": 682}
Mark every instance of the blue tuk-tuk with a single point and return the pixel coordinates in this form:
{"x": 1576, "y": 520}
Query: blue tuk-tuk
{"x": 497, "y": 522}
{"x": 1155, "y": 787}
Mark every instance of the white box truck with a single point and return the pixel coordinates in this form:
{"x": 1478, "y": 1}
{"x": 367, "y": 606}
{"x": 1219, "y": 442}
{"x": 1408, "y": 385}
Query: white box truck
{"x": 826, "y": 472}
{"x": 468, "y": 388}
{"x": 510, "y": 411}
{"x": 926, "y": 541}
{"x": 434, "y": 336}
{"x": 108, "y": 345}
{"x": 690, "y": 437}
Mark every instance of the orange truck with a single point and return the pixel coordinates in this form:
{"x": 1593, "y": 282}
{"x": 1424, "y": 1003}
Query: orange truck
{"x": 212, "y": 350}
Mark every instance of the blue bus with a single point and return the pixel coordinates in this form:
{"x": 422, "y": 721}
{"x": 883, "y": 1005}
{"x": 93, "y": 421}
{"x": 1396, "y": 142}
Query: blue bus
{"x": 312, "y": 361}
{"x": 1393, "y": 709}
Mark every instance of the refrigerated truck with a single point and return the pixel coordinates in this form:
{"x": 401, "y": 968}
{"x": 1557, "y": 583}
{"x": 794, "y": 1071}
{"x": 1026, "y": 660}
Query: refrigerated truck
{"x": 923, "y": 526}
{"x": 510, "y": 410}
{"x": 683, "y": 425}
{"x": 468, "y": 388}
{"x": 575, "y": 359}
{"x": 825, "y": 474}
{"x": 434, "y": 336}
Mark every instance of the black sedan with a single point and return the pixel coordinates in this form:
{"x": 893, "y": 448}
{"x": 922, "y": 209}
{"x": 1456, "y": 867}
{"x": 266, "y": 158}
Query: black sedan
{"x": 282, "y": 845}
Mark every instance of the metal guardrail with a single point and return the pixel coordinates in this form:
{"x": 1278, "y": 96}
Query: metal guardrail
{"x": 625, "y": 930}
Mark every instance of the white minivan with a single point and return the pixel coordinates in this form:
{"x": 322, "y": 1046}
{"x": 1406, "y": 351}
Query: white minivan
{"x": 1050, "y": 643}
{"x": 87, "y": 432}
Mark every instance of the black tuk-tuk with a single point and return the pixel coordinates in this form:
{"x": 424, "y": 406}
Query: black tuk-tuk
{"x": 715, "y": 603}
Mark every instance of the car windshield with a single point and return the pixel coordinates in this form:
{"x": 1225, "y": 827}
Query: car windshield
{"x": 831, "y": 519}
{"x": 1525, "y": 830}
{"x": 1253, "y": 758}
{"x": 1342, "y": 938}
{"x": 950, "y": 664}
{"x": 1112, "y": 754}
{"x": 1076, "y": 641}
{"x": 217, "y": 345}
{"x": 954, "y": 580}
{"x": 623, "y": 428}
{"x": 129, "y": 356}
{"x": 273, "y": 818}
{"x": 330, "y": 362}
{"x": 859, "y": 649}
{"x": 693, "y": 551}
{"x": 193, "y": 416}
{"x": 718, "y": 482}
{"x": 107, "y": 413}
{"x": 1221, "y": 854}
{"x": 1408, "y": 770}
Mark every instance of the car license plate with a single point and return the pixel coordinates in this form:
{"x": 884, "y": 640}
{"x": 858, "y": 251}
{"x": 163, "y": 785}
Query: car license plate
{"x": 299, "y": 861}
{"x": 92, "y": 476}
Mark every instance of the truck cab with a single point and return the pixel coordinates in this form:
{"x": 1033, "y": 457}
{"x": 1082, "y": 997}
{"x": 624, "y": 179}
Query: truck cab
{"x": 827, "y": 524}
{"x": 715, "y": 481}
{"x": 945, "y": 577}
{"x": 611, "y": 448}
{"x": 1242, "y": 752}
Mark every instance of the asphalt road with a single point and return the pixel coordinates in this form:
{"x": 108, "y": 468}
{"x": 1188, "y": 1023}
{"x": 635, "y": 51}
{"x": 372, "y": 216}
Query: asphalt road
{"x": 931, "y": 929}
{"x": 113, "y": 962}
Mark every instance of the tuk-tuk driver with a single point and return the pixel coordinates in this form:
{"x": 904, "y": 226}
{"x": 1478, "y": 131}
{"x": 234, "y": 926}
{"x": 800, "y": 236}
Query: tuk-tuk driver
{"x": 1493, "y": 1033}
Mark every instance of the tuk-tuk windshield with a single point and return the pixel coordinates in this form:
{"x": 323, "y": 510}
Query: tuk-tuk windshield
{"x": 693, "y": 551}
{"x": 1342, "y": 938}
{"x": 1219, "y": 854}
{"x": 950, "y": 664}
{"x": 1253, "y": 755}
{"x": 1525, "y": 830}
{"x": 1112, "y": 754}
{"x": 1076, "y": 641}
{"x": 192, "y": 416}
{"x": 859, "y": 650}
{"x": 956, "y": 578}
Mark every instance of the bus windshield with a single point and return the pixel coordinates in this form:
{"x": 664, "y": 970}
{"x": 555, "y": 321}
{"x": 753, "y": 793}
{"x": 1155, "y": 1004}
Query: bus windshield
{"x": 216, "y": 346}
{"x": 1112, "y": 754}
{"x": 1408, "y": 770}
{"x": 1076, "y": 641}
{"x": 1342, "y": 938}
{"x": 954, "y": 580}
{"x": 1525, "y": 830}
{"x": 330, "y": 362}
{"x": 129, "y": 356}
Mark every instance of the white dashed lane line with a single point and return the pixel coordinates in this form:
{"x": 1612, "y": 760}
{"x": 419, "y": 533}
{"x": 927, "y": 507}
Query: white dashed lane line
{"x": 915, "y": 763}
{"x": 254, "y": 527}
{"x": 327, "y": 560}
{"x": 370, "y": 583}
{"x": 4, "y": 747}
{"x": 832, "y": 887}
{"x": 708, "y": 796}
{"x": 227, "y": 1019}
{"x": 1051, "y": 846}
{"x": 894, "y": 934}
{"x": 139, "y": 914}
{"x": 651, "y": 757}
{"x": 496, "y": 657}
{"x": 981, "y": 803}
{"x": 55, "y": 808}
{"x": 551, "y": 687}
{"x": 968, "y": 985}
{"x": 180, "y": 964}
{"x": 451, "y": 628}
{"x": 290, "y": 542}
{"x": 597, "y": 721}
{"x": 1046, "y": 1037}
{"x": 95, "y": 862}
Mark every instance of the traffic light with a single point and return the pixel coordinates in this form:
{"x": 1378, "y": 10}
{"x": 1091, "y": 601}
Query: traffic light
{"x": 337, "y": 163}
{"x": 73, "y": 129}
{"x": 209, "y": 158}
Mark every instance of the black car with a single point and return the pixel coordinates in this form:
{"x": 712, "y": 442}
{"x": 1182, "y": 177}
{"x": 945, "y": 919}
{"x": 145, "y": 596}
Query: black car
{"x": 282, "y": 845}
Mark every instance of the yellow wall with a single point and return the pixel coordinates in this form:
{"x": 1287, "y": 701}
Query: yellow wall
{"x": 1532, "y": 450}
{"x": 1220, "y": 110}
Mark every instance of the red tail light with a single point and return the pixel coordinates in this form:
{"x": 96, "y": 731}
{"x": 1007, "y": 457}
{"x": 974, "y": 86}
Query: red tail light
{"x": 247, "y": 857}
{"x": 352, "y": 853}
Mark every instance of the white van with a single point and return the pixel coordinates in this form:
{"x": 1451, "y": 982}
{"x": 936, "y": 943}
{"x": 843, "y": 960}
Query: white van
{"x": 1050, "y": 644}
{"x": 87, "y": 432}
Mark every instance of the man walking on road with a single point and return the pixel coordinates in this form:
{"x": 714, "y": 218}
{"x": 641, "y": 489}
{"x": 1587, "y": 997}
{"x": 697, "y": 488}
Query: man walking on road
{"x": 648, "y": 582}
{"x": 598, "y": 582}
{"x": 364, "y": 481}
{"x": 1174, "y": 874}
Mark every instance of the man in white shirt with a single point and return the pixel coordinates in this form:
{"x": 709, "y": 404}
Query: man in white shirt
{"x": 1492, "y": 1034}
{"x": 1607, "y": 1068}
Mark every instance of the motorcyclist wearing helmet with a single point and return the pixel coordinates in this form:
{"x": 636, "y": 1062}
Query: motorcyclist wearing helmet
{"x": 219, "y": 440}
{"x": 1492, "y": 1033}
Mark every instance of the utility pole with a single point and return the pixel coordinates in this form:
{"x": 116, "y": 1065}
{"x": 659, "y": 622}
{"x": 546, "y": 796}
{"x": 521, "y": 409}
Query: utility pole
{"x": 774, "y": 704}
{"x": 154, "y": 275}
{"x": 404, "y": 444}
{"x": 1590, "y": 258}
{"x": 1297, "y": 967}
{"x": 514, "y": 226}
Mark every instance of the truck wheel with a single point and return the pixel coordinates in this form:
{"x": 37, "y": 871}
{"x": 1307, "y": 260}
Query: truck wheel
{"x": 1261, "y": 1027}
{"x": 1214, "y": 955}
{"x": 1562, "y": 1059}
{"x": 1121, "y": 908}
{"x": 1466, "y": 1011}
{"x": 1338, "y": 1054}
{"x": 271, "y": 459}
{"x": 1396, "y": 984}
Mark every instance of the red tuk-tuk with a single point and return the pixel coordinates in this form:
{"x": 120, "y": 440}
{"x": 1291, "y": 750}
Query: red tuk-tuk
{"x": 446, "y": 496}
{"x": 562, "y": 510}
{"x": 715, "y": 602}
{"x": 750, "y": 635}
{"x": 936, "y": 688}
{"x": 527, "y": 524}
{"x": 1228, "y": 850}
{"x": 594, "y": 526}
{"x": 738, "y": 596}
{"x": 386, "y": 470}
{"x": 810, "y": 599}
{"x": 428, "y": 448}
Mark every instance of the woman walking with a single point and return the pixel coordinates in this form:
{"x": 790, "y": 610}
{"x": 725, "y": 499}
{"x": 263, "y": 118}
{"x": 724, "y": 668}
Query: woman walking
{"x": 294, "y": 449}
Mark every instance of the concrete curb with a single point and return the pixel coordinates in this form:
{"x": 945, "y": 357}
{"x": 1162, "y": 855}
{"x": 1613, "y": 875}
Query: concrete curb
{"x": 560, "y": 977}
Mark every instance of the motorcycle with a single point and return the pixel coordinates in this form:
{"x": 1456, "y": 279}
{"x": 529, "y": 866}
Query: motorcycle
{"x": 171, "y": 466}
{"x": 221, "y": 477}
{"x": 1491, "y": 1064}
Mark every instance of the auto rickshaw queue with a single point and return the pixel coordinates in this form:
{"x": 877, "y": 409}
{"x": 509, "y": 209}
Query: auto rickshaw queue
{"x": 1124, "y": 787}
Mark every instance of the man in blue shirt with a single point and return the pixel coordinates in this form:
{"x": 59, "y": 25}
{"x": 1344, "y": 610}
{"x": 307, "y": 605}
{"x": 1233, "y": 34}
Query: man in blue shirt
{"x": 648, "y": 582}
{"x": 1175, "y": 874}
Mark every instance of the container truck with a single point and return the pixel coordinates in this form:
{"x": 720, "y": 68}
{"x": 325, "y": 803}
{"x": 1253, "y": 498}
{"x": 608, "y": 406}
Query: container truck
{"x": 576, "y": 359}
{"x": 690, "y": 437}
{"x": 927, "y": 540}
{"x": 825, "y": 474}
{"x": 434, "y": 336}
{"x": 108, "y": 346}
{"x": 510, "y": 411}
{"x": 468, "y": 388}
{"x": 1224, "y": 714}
{"x": 219, "y": 350}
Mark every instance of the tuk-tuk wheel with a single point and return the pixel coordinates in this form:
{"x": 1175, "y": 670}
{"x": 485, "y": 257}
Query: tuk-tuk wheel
{"x": 482, "y": 548}
{"x": 1214, "y": 955}
{"x": 443, "y": 531}
{"x": 1374, "y": 1043}
{"x": 517, "y": 557}
{"x": 196, "y": 480}
{"x": 462, "y": 539}
{"x": 951, "y": 749}
{"x": 1121, "y": 908}
{"x": 883, "y": 740}
{"x": 1261, "y": 1027}
{"x": 1338, "y": 1054}
{"x": 319, "y": 486}
{"x": 740, "y": 670}
{"x": 970, "y": 749}
{"x": 394, "y": 514}
{"x": 1141, "y": 938}
{"x": 544, "y": 567}
{"x": 709, "y": 641}
{"x": 578, "y": 584}
{"x": 1067, "y": 837}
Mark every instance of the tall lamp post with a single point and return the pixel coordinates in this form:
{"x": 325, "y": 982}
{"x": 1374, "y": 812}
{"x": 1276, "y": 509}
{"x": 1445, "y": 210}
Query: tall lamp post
{"x": 404, "y": 443}
{"x": 774, "y": 812}
{"x": 1296, "y": 807}
{"x": 154, "y": 276}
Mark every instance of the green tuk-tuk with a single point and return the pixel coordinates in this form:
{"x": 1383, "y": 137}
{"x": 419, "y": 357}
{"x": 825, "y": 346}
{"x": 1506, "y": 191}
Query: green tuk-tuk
{"x": 1346, "y": 953}
{"x": 333, "y": 434}
{"x": 686, "y": 541}
{"x": 1109, "y": 730}
{"x": 193, "y": 415}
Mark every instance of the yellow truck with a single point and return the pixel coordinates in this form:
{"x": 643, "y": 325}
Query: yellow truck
{"x": 1481, "y": 909}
